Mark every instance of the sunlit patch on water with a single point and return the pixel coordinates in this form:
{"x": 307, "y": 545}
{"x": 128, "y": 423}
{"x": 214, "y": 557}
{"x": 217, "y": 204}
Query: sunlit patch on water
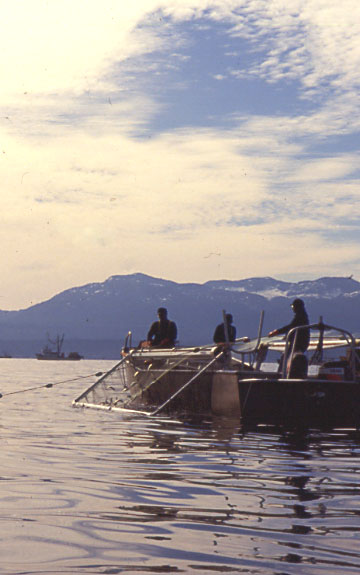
{"x": 86, "y": 491}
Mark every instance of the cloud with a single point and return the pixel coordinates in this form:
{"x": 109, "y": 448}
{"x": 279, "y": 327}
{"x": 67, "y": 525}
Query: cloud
{"x": 144, "y": 138}
{"x": 315, "y": 42}
{"x": 61, "y": 45}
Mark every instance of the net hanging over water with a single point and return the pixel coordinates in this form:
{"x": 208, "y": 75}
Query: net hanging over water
{"x": 144, "y": 380}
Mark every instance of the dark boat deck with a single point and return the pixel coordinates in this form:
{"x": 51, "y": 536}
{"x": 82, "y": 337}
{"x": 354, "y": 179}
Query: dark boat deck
{"x": 313, "y": 400}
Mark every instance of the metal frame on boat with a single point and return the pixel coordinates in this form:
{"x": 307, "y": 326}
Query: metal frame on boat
{"x": 231, "y": 379}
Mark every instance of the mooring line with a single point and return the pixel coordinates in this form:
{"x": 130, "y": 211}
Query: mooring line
{"x": 48, "y": 385}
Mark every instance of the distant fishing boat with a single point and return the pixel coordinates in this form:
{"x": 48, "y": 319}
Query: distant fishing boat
{"x": 49, "y": 353}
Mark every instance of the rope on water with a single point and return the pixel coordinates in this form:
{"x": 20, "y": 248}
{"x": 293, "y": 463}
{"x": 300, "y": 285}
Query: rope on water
{"x": 48, "y": 385}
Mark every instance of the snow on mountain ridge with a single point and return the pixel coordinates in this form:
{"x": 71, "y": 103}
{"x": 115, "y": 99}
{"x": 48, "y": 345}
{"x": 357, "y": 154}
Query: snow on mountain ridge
{"x": 312, "y": 289}
{"x": 266, "y": 293}
{"x": 272, "y": 293}
{"x": 266, "y": 287}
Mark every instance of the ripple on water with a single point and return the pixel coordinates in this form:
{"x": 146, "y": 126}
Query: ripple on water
{"x": 86, "y": 491}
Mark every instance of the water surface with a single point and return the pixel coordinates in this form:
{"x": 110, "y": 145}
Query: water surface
{"x": 91, "y": 492}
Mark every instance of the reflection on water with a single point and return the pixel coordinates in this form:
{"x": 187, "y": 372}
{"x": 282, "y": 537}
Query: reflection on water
{"x": 86, "y": 491}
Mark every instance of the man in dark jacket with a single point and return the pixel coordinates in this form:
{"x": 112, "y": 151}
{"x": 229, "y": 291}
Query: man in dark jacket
{"x": 296, "y": 362}
{"x": 220, "y": 333}
{"x": 300, "y": 339}
{"x": 162, "y": 333}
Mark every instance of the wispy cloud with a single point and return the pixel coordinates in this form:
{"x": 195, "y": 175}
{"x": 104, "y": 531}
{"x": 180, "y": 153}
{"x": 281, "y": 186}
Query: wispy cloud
{"x": 132, "y": 136}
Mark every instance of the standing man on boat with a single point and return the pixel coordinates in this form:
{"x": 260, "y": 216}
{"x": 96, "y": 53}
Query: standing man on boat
{"x": 220, "y": 333}
{"x": 298, "y": 341}
{"x": 163, "y": 332}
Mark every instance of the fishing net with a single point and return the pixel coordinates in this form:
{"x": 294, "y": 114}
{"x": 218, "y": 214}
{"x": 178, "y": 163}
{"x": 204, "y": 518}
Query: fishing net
{"x": 144, "y": 381}
{"x": 110, "y": 391}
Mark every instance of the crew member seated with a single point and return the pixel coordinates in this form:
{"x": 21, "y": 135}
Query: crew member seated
{"x": 163, "y": 332}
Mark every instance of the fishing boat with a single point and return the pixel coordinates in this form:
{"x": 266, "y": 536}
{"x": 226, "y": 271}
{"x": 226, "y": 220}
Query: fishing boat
{"x": 49, "y": 353}
{"x": 233, "y": 379}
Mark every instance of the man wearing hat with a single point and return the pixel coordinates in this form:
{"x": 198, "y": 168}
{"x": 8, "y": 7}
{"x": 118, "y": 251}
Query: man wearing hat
{"x": 162, "y": 333}
{"x": 296, "y": 361}
{"x": 302, "y": 336}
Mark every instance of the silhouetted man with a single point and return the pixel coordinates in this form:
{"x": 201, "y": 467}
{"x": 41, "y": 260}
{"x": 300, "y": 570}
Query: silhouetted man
{"x": 298, "y": 341}
{"x": 163, "y": 332}
{"x": 220, "y": 333}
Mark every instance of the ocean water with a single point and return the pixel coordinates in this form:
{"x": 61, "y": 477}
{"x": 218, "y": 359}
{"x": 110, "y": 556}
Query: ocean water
{"x": 91, "y": 492}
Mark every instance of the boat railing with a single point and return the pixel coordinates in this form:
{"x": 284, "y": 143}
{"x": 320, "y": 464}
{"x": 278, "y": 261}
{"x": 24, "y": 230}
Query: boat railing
{"x": 349, "y": 341}
{"x": 255, "y": 349}
{"x": 128, "y": 342}
{"x": 144, "y": 359}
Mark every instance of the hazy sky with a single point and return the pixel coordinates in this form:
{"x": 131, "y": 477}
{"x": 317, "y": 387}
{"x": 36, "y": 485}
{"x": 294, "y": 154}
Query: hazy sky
{"x": 188, "y": 140}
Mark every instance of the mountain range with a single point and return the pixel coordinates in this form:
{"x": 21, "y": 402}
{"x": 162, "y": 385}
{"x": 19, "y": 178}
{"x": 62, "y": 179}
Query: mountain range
{"x": 96, "y": 317}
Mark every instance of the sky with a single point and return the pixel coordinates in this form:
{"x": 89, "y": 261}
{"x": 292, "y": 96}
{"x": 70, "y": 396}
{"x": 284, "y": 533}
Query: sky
{"x": 189, "y": 140}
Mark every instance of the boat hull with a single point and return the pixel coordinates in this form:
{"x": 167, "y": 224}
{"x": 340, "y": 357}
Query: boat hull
{"x": 262, "y": 400}
{"x": 44, "y": 358}
{"x": 312, "y": 401}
